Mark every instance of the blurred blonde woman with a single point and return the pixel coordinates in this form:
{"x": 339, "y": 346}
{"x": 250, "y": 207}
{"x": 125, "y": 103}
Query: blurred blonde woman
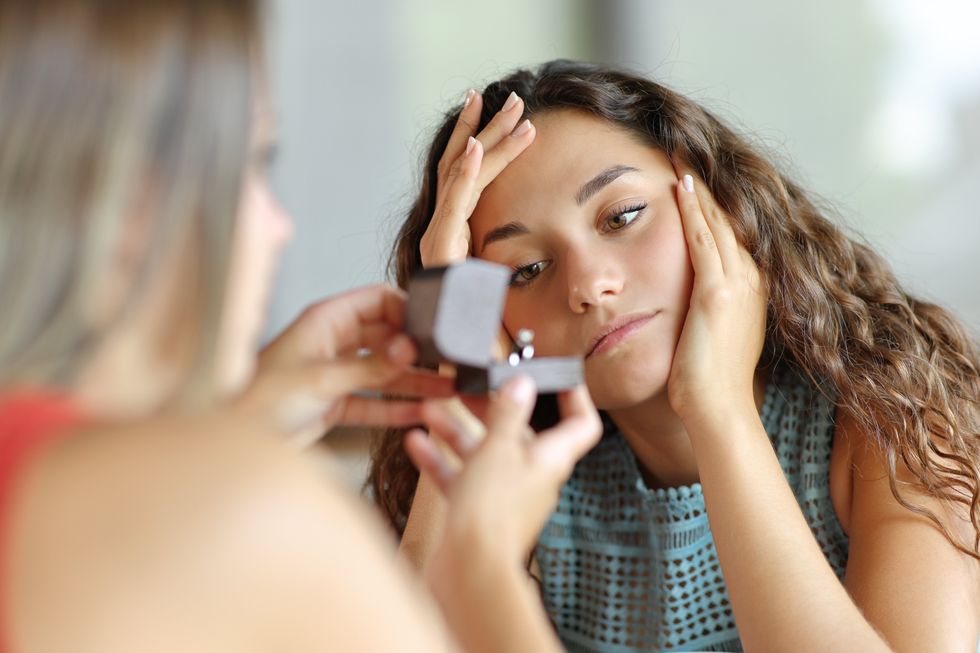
{"x": 138, "y": 239}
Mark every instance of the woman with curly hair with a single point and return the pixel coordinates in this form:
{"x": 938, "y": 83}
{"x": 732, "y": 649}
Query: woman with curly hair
{"x": 791, "y": 458}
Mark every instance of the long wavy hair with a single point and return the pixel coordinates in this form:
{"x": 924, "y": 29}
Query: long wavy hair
{"x": 118, "y": 119}
{"x": 905, "y": 370}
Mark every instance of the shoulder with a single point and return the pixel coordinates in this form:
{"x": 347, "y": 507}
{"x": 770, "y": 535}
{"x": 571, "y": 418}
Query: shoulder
{"x": 204, "y": 529}
{"x": 910, "y": 581}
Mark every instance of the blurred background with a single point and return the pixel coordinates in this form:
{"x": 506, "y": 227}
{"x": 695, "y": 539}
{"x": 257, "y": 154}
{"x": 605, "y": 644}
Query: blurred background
{"x": 876, "y": 103}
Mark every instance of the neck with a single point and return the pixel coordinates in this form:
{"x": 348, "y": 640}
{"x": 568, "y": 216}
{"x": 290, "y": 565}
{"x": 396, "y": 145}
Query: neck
{"x": 660, "y": 441}
{"x": 125, "y": 381}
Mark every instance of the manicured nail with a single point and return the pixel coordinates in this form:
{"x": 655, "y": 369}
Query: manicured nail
{"x": 468, "y": 98}
{"x": 522, "y": 129}
{"x": 520, "y": 390}
{"x": 470, "y": 144}
{"x": 689, "y": 183}
{"x": 511, "y": 101}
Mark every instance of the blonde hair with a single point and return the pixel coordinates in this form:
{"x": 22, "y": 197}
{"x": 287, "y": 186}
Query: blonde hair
{"x": 107, "y": 107}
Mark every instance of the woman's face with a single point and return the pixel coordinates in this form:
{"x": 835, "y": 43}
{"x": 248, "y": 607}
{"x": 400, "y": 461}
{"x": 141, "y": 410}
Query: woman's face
{"x": 588, "y": 219}
{"x": 261, "y": 231}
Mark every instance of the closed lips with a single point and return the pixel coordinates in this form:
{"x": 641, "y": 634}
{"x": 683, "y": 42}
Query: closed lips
{"x": 611, "y": 329}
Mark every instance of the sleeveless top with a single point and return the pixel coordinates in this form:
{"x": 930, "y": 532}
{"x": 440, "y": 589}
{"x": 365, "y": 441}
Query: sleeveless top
{"x": 28, "y": 422}
{"x": 627, "y": 568}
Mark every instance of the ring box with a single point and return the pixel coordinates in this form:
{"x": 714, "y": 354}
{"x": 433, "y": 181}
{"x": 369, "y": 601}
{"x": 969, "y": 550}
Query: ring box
{"x": 454, "y": 314}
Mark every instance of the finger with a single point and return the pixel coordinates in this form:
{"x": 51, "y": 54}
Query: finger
{"x": 351, "y": 374}
{"x": 462, "y": 436}
{"x": 466, "y": 125}
{"x": 372, "y": 338}
{"x": 503, "y": 123}
{"x": 580, "y": 428}
{"x": 425, "y": 455}
{"x": 700, "y": 240}
{"x": 363, "y": 411}
{"x": 510, "y": 410}
{"x": 421, "y": 383}
{"x": 337, "y": 324}
{"x": 717, "y": 218}
{"x": 503, "y": 154}
{"x": 449, "y": 223}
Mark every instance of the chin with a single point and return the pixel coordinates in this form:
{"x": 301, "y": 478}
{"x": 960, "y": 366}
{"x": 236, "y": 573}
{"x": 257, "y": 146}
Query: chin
{"x": 624, "y": 379}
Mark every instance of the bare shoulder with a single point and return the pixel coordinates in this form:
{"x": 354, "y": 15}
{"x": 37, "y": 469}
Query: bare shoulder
{"x": 207, "y": 530}
{"x": 913, "y": 585}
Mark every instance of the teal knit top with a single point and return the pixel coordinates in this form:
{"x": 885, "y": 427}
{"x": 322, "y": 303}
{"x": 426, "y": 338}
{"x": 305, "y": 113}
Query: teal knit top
{"x": 627, "y": 568}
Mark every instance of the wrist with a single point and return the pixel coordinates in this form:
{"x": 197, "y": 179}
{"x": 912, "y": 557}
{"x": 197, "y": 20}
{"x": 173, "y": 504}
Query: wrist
{"x": 464, "y": 567}
{"x": 721, "y": 421}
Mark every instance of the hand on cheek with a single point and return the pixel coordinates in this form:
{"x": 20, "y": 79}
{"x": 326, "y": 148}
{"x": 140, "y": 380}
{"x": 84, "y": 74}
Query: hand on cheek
{"x": 721, "y": 341}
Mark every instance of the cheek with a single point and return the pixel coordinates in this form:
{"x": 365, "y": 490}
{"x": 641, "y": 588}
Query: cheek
{"x": 540, "y": 312}
{"x": 660, "y": 267}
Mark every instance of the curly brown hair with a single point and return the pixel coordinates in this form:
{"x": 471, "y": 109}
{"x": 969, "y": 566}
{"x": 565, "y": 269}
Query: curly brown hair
{"x": 903, "y": 369}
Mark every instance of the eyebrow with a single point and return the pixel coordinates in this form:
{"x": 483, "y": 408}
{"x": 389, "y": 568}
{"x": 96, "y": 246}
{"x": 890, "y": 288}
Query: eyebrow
{"x": 588, "y": 189}
{"x": 600, "y": 181}
{"x": 508, "y": 230}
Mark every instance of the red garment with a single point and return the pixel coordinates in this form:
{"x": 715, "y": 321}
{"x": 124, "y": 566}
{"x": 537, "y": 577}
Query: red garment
{"x": 28, "y": 422}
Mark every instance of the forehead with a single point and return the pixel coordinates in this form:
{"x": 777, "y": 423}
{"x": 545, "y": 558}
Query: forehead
{"x": 569, "y": 149}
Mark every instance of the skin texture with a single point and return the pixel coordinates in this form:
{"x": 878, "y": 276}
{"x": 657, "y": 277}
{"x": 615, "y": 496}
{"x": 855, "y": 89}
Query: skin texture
{"x": 685, "y": 392}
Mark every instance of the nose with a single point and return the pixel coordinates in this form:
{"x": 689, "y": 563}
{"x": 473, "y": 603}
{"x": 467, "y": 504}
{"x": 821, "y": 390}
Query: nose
{"x": 593, "y": 278}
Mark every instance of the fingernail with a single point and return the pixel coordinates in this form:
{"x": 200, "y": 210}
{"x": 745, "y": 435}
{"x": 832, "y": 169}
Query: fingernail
{"x": 520, "y": 390}
{"x": 470, "y": 144}
{"x": 400, "y": 349}
{"x": 468, "y": 98}
{"x": 689, "y": 183}
{"x": 522, "y": 129}
{"x": 511, "y": 101}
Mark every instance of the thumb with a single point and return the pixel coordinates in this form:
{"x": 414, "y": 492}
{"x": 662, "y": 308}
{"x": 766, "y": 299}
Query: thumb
{"x": 510, "y": 409}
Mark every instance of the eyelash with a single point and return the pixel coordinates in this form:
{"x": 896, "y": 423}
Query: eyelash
{"x": 633, "y": 208}
{"x": 517, "y": 282}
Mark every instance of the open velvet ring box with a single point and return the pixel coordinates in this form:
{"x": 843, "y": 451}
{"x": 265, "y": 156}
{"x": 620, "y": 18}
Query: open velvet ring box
{"x": 454, "y": 315}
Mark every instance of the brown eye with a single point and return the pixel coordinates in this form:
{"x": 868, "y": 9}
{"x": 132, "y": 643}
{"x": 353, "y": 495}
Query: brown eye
{"x": 525, "y": 274}
{"x": 623, "y": 219}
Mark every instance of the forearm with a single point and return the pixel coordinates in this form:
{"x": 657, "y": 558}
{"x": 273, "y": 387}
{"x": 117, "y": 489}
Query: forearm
{"x": 491, "y": 607}
{"x": 425, "y": 524}
{"x": 785, "y": 596}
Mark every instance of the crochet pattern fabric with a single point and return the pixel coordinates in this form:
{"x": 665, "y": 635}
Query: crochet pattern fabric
{"x": 626, "y": 568}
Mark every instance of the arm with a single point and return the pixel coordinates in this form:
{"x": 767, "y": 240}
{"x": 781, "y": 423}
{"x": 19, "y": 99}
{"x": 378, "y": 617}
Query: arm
{"x": 496, "y": 504}
{"x": 469, "y": 163}
{"x": 425, "y": 524}
{"x": 784, "y": 594}
{"x": 905, "y": 583}
{"x": 915, "y": 587}
{"x": 427, "y": 517}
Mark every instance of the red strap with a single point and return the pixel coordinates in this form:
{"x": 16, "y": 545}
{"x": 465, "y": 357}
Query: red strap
{"x": 28, "y": 422}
